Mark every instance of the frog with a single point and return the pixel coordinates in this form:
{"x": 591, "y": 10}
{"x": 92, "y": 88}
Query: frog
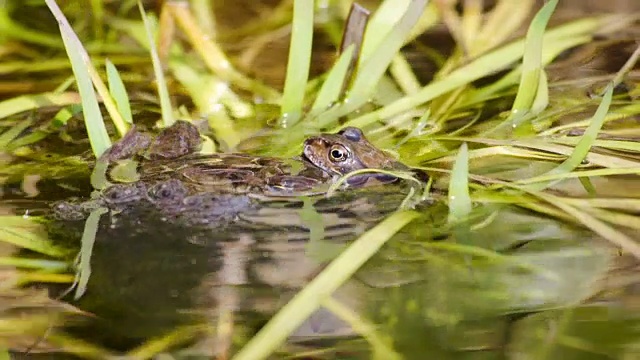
{"x": 172, "y": 172}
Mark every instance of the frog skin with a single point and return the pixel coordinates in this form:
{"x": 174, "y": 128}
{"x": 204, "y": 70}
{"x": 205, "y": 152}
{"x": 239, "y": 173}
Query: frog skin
{"x": 172, "y": 172}
{"x": 347, "y": 151}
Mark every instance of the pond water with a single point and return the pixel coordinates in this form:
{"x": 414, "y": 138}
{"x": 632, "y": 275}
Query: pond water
{"x": 525, "y": 286}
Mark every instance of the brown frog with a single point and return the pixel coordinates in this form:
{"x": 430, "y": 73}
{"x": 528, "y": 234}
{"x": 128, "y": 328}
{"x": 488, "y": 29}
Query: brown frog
{"x": 347, "y": 151}
{"x": 325, "y": 158}
{"x": 170, "y": 171}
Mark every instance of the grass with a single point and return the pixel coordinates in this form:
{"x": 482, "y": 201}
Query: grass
{"x": 487, "y": 143}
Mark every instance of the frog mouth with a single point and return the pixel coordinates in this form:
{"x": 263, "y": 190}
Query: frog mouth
{"x": 308, "y": 154}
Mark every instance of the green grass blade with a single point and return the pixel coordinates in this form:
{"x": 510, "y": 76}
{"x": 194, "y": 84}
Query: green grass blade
{"x": 403, "y": 74}
{"x": 97, "y": 14}
{"x": 299, "y": 61}
{"x": 292, "y": 315}
{"x": 531, "y": 69}
{"x": 542, "y": 95}
{"x": 381, "y": 346}
{"x": 551, "y": 52}
{"x": 118, "y": 91}
{"x": 584, "y": 145}
{"x": 8, "y": 136}
{"x": 459, "y": 199}
{"x": 9, "y": 28}
{"x": 88, "y": 240}
{"x": 98, "y": 136}
{"x": 331, "y": 87}
{"x": 381, "y": 23}
{"x": 40, "y": 264}
{"x": 36, "y": 101}
{"x": 163, "y": 92}
{"x": 374, "y": 67}
{"x": 532, "y": 59}
{"x": 490, "y": 63}
{"x": 599, "y": 227}
{"x": 27, "y": 234}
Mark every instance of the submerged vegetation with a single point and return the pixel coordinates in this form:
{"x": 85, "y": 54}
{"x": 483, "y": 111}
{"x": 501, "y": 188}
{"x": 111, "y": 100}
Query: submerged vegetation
{"x": 525, "y": 122}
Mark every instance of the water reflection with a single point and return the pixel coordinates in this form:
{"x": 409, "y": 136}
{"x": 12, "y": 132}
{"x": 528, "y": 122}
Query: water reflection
{"x": 423, "y": 291}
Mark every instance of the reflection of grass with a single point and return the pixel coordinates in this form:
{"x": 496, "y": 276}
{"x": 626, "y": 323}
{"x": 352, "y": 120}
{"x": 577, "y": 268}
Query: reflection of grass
{"x": 425, "y": 124}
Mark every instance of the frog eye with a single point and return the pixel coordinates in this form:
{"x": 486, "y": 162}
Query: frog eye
{"x": 338, "y": 153}
{"x": 352, "y": 133}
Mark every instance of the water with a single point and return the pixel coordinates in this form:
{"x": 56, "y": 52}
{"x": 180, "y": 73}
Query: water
{"x": 525, "y": 281}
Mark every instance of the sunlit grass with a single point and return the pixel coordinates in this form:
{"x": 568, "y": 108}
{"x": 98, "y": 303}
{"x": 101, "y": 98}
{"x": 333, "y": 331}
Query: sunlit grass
{"x": 163, "y": 92}
{"x": 532, "y": 85}
{"x": 96, "y": 129}
{"x": 299, "y": 61}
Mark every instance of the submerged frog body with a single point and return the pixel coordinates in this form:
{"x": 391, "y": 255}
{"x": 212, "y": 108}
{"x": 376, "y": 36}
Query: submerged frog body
{"x": 175, "y": 178}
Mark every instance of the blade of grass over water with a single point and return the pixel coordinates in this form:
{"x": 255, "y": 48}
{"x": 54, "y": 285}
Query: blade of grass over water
{"x": 599, "y": 227}
{"x": 298, "y": 63}
{"x": 380, "y": 346}
{"x": 541, "y": 100}
{"x": 604, "y": 160}
{"x": 163, "y": 92}
{"x": 25, "y": 233}
{"x": 531, "y": 67}
{"x": 460, "y": 205}
{"x": 88, "y": 240}
{"x": 178, "y": 336}
{"x": 118, "y": 91}
{"x": 292, "y": 315}
{"x": 490, "y": 255}
{"x": 459, "y": 199}
{"x": 584, "y": 173}
{"x": 584, "y": 145}
{"x": 81, "y": 349}
{"x": 8, "y": 136}
{"x": 40, "y": 264}
{"x": 98, "y": 136}
{"x": 330, "y": 91}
